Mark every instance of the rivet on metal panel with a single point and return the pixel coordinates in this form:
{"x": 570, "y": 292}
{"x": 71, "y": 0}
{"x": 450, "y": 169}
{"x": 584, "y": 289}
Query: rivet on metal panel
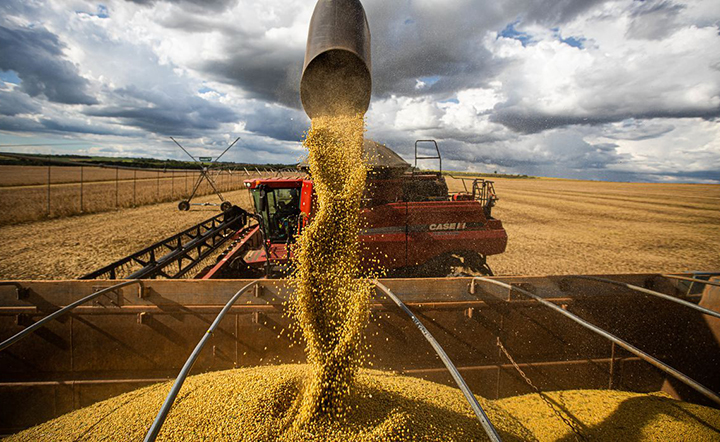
{"x": 143, "y": 318}
{"x": 214, "y": 351}
{"x": 258, "y": 290}
{"x": 563, "y": 306}
{"x": 469, "y": 312}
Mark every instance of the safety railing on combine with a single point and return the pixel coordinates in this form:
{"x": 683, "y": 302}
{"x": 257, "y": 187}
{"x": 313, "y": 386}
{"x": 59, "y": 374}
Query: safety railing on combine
{"x": 477, "y": 409}
{"x": 435, "y": 157}
{"x": 185, "y": 371}
{"x": 481, "y": 189}
{"x": 713, "y": 396}
{"x": 41, "y": 323}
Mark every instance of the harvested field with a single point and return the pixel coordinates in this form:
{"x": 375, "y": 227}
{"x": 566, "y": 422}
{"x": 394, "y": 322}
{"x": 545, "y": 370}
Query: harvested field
{"x": 25, "y": 195}
{"x": 555, "y": 227}
{"x": 70, "y": 247}
{"x": 566, "y": 226}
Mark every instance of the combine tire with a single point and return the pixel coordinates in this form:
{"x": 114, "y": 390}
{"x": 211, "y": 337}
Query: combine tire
{"x": 225, "y": 206}
{"x": 468, "y": 263}
{"x": 184, "y": 206}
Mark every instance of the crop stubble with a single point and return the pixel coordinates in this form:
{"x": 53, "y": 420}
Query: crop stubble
{"x": 554, "y": 227}
{"x": 566, "y": 226}
{"x": 69, "y": 247}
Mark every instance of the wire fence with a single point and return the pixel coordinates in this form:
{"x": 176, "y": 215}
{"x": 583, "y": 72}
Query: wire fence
{"x": 30, "y": 193}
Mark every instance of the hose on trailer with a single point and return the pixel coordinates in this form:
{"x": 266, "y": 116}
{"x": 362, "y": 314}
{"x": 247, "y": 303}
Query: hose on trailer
{"x": 41, "y": 323}
{"x": 477, "y": 409}
{"x": 185, "y": 371}
{"x": 652, "y": 293}
{"x": 695, "y": 385}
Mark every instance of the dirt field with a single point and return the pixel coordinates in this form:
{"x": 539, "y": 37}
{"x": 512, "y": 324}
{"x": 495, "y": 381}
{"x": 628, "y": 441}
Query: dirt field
{"x": 555, "y": 227}
{"x": 69, "y": 247}
{"x": 564, "y": 226}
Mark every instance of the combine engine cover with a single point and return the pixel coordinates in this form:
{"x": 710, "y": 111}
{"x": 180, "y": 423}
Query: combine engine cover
{"x": 432, "y": 234}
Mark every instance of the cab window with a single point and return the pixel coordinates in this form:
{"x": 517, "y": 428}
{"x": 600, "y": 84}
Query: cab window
{"x": 280, "y": 216}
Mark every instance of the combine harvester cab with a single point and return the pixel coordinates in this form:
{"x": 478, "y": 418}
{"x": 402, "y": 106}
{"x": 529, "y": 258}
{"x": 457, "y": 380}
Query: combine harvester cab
{"x": 413, "y": 225}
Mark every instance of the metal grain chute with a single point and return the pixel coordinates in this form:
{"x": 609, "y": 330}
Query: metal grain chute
{"x": 336, "y": 76}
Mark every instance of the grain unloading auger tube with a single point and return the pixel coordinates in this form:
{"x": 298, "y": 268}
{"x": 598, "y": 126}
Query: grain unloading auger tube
{"x": 336, "y": 77}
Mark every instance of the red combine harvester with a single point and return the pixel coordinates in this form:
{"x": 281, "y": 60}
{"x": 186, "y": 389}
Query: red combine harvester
{"x": 414, "y": 226}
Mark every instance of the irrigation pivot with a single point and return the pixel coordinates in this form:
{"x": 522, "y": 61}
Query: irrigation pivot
{"x": 206, "y": 165}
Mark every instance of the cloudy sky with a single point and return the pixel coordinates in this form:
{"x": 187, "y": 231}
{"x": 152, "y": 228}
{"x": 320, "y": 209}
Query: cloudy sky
{"x": 611, "y": 90}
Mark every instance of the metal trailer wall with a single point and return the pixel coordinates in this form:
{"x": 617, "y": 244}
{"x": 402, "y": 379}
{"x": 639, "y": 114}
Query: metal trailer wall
{"x": 141, "y": 334}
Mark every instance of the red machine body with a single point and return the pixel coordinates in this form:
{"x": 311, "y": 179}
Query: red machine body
{"x": 413, "y": 226}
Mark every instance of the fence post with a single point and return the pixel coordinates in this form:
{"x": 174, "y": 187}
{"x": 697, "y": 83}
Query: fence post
{"x": 157, "y": 187}
{"x": 172, "y": 185}
{"x": 48, "y": 191}
{"x": 134, "y": 187}
{"x": 117, "y": 188}
{"x": 81, "y": 189}
{"x": 185, "y": 183}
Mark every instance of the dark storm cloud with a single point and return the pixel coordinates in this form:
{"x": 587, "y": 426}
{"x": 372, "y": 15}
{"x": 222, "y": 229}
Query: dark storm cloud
{"x": 277, "y": 122}
{"x": 528, "y": 121}
{"x": 192, "y": 5}
{"x": 653, "y": 20}
{"x": 165, "y": 112}
{"x": 35, "y": 54}
{"x": 550, "y": 12}
{"x": 408, "y": 42}
{"x": 61, "y": 126}
{"x": 20, "y": 124}
{"x": 637, "y": 130}
{"x": 265, "y": 72}
{"x": 713, "y": 175}
{"x": 563, "y": 151}
{"x": 411, "y": 42}
{"x": 14, "y": 103}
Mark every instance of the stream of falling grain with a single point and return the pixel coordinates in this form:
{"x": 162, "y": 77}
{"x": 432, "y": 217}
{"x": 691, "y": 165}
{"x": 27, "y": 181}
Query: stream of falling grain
{"x": 331, "y": 305}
